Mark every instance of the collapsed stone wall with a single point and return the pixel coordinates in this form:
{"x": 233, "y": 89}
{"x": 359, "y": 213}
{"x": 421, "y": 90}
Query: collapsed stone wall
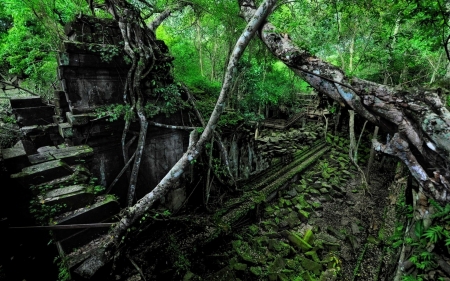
{"x": 249, "y": 156}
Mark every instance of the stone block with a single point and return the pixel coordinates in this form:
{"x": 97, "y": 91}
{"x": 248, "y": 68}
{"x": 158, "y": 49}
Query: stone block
{"x": 41, "y": 115}
{"x": 20, "y": 102}
{"x": 78, "y": 119}
{"x": 42, "y": 172}
{"x": 15, "y": 158}
{"x": 60, "y": 97}
{"x": 72, "y": 197}
{"x": 65, "y": 130}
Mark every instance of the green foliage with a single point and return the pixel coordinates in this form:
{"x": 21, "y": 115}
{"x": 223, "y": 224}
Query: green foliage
{"x": 43, "y": 212}
{"x": 63, "y": 271}
{"x": 106, "y": 51}
{"x": 9, "y": 133}
{"x": 114, "y": 112}
{"x": 166, "y": 100}
{"x": 180, "y": 260}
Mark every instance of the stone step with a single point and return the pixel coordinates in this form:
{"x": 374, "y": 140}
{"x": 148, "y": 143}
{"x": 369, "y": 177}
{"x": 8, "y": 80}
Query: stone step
{"x": 43, "y": 172}
{"x": 83, "y": 237}
{"x": 15, "y": 158}
{"x": 97, "y": 212}
{"x": 79, "y": 119}
{"x": 70, "y": 197}
{"x": 20, "y": 102}
{"x": 71, "y": 155}
{"x": 80, "y": 175}
{"x": 40, "y": 115}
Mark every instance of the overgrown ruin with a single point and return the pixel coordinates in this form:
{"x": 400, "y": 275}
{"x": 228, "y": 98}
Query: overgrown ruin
{"x": 295, "y": 209}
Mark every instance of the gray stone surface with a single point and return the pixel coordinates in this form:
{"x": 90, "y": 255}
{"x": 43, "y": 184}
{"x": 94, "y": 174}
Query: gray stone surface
{"x": 15, "y": 158}
{"x": 71, "y": 197}
{"x": 176, "y": 198}
{"x": 42, "y": 172}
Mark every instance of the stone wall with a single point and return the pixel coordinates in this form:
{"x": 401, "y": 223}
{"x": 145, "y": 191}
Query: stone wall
{"x": 92, "y": 73}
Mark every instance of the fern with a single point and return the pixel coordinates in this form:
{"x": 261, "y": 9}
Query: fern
{"x": 411, "y": 278}
{"x": 434, "y": 234}
{"x": 442, "y": 213}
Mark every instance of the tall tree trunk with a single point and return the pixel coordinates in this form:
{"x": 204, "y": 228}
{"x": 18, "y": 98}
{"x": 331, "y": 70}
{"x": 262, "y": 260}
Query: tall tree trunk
{"x": 199, "y": 42}
{"x": 391, "y": 49}
{"x": 351, "y": 51}
{"x": 132, "y": 214}
{"x": 372, "y": 155}
{"x": 213, "y": 61}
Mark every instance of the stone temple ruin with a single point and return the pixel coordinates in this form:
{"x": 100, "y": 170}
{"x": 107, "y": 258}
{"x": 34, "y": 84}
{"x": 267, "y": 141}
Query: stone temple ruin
{"x": 67, "y": 151}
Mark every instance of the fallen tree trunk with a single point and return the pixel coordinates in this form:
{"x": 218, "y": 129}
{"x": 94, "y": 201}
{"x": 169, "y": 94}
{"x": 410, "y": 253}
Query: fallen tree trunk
{"x": 417, "y": 117}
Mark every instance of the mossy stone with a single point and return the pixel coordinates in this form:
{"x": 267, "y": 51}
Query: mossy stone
{"x": 256, "y": 270}
{"x": 307, "y": 277}
{"x": 282, "y": 248}
{"x": 311, "y": 265}
{"x": 240, "y": 266}
{"x": 253, "y": 229}
{"x": 247, "y": 253}
{"x": 309, "y": 236}
{"x": 297, "y": 241}
{"x": 277, "y": 265}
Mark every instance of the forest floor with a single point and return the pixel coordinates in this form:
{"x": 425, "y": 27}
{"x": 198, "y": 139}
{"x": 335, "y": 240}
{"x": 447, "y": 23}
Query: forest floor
{"x": 323, "y": 225}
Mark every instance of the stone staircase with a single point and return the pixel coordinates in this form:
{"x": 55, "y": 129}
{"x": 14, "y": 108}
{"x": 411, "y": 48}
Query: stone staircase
{"x": 65, "y": 196}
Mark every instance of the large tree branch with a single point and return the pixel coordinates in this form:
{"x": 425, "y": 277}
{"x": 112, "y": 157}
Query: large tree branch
{"x": 165, "y": 14}
{"x": 417, "y": 116}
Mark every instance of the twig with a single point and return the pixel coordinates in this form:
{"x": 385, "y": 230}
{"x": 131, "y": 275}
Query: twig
{"x": 121, "y": 173}
{"x": 185, "y": 201}
{"x": 399, "y": 273}
{"x": 137, "y": 268}
{"x": 172, "y": 126}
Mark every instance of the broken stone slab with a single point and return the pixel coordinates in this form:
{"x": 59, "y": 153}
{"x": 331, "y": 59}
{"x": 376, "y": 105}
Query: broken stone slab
{"x": 71, "y": 197}
{"x": 42, "y": 172}
{"x": 20, "y": 102}
{"x": 15, "y": 158}
{"x": 97, "y": 212}
{"x": 297, "y": 241}
{"x": 74, "y": 154}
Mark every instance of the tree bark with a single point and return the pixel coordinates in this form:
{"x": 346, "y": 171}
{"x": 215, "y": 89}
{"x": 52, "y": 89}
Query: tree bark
{"x": 417, "y": 117}
{"x": 132, "y": 214}
{"x": 372, "y": 155}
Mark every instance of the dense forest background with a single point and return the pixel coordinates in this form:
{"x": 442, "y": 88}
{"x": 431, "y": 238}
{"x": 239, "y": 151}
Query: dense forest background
{"x": 399, "y": 43}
